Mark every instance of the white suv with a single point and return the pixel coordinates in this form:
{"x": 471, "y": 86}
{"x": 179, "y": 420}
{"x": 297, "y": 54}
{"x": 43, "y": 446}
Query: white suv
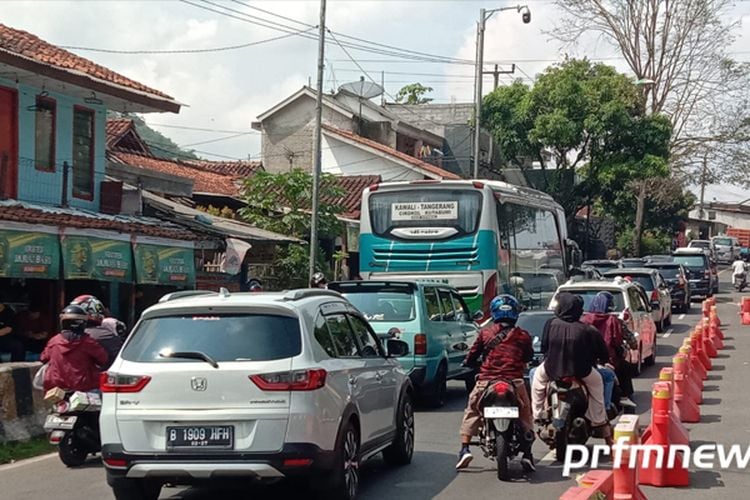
{"x": 259, "y": 385}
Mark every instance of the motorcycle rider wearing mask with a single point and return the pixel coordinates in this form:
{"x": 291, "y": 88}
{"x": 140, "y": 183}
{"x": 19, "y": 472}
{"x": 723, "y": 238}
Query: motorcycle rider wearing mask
{"x": 73, "y": 359}
{"x": 739, "y": 267}
{"x": 572, "y": 349}
{"x": 109, "y": 340}
{"x": 503, "y": 351}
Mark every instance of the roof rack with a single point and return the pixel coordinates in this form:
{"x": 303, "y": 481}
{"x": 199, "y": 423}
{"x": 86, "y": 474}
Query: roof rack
{"x": 185, "y": 294}
{"x": 305, "y": 293}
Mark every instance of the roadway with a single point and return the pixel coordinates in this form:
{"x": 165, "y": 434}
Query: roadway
{"x": 432, "y": 475}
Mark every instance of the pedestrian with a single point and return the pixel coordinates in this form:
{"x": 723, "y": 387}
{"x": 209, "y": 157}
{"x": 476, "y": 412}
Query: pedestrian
{"x": 9, "y": 336}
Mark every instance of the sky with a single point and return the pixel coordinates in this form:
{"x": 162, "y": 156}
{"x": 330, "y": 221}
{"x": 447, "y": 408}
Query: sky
{"x": 224, "y": 91}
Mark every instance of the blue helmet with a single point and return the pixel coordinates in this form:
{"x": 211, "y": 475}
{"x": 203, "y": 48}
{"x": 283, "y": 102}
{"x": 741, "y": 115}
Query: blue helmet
{"x": 505, "y": 308}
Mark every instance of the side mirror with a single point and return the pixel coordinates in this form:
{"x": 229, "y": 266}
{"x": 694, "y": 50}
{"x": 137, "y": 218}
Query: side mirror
{"x": 397, "y": 348}
{"x": 477, "y": 316}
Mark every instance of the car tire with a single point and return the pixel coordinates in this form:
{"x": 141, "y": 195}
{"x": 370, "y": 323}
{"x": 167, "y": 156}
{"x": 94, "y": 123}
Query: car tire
{"x": 660, "y": 325}
{"x": 342, "y": 483}
{"x": 437, "y": 394}
{"x": 649, "y": 361}
{"x": 401, "y": 450}
{"x": 135, "y": 489}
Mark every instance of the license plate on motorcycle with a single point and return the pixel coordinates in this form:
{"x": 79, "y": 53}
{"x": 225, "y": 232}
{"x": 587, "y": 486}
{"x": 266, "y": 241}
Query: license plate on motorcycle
{"x": 501, "y": 412}
{"x": 200, "y": 437}
{"x": 61, "y": 422}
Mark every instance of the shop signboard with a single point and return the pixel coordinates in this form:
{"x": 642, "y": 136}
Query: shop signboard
{"x": 164, "y": 262}
{"x": 29, "y": 251}
{"x": 99, "y": 255}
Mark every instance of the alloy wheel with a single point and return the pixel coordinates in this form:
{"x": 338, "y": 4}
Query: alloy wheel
{"x": 408, "y": 429}
{"x": 351, "y": 463}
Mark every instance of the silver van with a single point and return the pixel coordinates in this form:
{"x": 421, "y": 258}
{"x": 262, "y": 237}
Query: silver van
{"x": 726, "y": 248}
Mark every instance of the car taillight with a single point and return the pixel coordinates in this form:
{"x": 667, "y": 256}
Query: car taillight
{"x": 374, "y": 187}
{"x": 478, "y": 185}
{"x": 298, "y": 380}
{"x": 420, "y": 344}
{"x": 117, "y": 382}
{"x": 654, "y": 296}
{"x": 115, "y": 462}
{"x": 707, "y": 274}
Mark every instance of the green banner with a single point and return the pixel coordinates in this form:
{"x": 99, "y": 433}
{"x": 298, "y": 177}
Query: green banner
{"x": 29, "y": 255}
{"x": 87, "y": 258}
{"x": 164, "y": 265}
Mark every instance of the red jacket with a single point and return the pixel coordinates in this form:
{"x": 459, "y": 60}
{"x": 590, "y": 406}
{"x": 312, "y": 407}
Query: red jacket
{"x": 73, "y": 362}
{"x": 508, "y": 359}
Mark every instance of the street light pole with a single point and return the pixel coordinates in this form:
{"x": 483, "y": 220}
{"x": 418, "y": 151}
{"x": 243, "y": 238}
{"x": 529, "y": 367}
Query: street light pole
{"x": 484, "y": 15}
{"x": 317, "y": 155}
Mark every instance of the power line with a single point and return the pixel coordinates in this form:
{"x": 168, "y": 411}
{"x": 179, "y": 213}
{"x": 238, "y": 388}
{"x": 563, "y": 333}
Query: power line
{"x": 183, "y": 127}
{"x": 219, "y": 139}
{"x": 181, "y": 51}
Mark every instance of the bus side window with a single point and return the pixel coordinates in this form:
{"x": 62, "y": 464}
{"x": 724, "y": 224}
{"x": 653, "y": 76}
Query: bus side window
{"x": 432, "y": 303}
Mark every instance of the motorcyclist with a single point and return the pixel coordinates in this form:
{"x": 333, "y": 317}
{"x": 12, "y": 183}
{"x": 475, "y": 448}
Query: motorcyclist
{"x": 109, "y": 340}
{"x": 74, "y": 360}
{"x": 502, "y": 351}
{"x": 615, "y": 334}
{"x": 318, "y": 280}
{"x": 739, "y": 267}
{"x": 572, "y": 349}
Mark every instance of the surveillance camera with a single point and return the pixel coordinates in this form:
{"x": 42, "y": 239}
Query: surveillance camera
{"x": 526, "y": 16}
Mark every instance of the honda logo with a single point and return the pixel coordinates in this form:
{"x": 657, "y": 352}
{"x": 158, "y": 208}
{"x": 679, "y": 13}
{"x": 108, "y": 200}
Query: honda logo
{"x": 198, "y": 383}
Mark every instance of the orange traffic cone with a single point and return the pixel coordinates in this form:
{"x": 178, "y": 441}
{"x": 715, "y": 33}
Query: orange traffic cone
{"x": 687, "y": 407}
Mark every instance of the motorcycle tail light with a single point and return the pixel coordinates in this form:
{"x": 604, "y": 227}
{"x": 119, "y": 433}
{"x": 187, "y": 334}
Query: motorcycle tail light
{"x": 501, "y": 388}
{"x": 56, "y": 436}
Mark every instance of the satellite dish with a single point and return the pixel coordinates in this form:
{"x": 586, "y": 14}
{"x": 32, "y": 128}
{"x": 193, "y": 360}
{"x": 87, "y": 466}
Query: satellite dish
{"x": 363, "y": 89}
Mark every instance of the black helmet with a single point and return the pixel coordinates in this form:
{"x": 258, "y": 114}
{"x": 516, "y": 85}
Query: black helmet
{"x": 317, "y": 280}
{"x": 74, "y": 318}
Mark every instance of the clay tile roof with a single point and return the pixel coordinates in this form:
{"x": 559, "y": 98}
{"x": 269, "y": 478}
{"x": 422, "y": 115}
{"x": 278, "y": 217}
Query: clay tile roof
{"x": 32, "y": 47}
{"x": 352, "y": 185}
{"x": 116, "y": 129}
{"x": 203, "y": 181}
{"x": 416, "y": 162}
{"x": 19, "y": 213}
{"x": 239, "y": 168}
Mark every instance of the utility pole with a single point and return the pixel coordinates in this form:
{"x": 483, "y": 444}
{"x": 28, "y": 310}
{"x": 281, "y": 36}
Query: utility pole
{"x": 317, "y": 155}
{"x": 479, "y": 73}
{"x": 703, "y": 185}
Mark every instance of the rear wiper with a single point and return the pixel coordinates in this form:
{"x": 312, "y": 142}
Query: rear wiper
{"x": 166, "y": 353}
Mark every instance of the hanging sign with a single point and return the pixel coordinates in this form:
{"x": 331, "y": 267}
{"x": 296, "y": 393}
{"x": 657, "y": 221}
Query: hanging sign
{"x": 29, "y": 251}
{"x": 164, "y": 262}
{"x": 102, "y": 256}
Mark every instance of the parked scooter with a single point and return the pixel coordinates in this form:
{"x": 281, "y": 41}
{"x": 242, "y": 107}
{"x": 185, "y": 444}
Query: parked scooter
{"x": 76, "y": 433}
{"x": 501, "y": 435}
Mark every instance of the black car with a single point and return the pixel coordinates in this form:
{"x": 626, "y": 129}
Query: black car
{"x": 601, "y": 265}
{"x": 533, "y": 322}
{"x": 677, "y": 278}
{"x": 632, "y": 262}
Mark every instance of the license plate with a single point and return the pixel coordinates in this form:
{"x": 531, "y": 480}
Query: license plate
{"x": 201, "y": 436}
{"x": 64, "y": 423}
{"x": 501, "y": 412}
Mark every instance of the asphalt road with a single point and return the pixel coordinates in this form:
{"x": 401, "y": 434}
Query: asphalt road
{"x": 431, "y": 475}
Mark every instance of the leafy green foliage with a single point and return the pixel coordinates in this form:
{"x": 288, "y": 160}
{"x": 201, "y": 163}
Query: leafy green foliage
{"x": 160, "y": 145}
{"x": 414, "y": 94}
{"x": 282, "y": 203}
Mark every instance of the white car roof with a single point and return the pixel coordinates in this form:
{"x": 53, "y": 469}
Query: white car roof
{"x": 609, "y": 285}
{"x": 690, "y": 251}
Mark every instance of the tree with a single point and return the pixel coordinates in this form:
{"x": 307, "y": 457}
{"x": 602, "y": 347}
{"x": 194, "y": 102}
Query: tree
{"x": 413, "y": 94}
{"x": 281, "y": 203}
{"x": 678, "y": 49}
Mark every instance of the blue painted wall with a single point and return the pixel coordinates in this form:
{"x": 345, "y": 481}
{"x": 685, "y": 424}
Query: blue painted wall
{"x": 46, "y": 187}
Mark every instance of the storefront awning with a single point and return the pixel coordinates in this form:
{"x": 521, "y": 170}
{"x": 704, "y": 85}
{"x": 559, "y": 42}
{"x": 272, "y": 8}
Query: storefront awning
{"x": 164, "y": 262}
{"x": 29, "y": 251}
{"x": 96, "y": 255}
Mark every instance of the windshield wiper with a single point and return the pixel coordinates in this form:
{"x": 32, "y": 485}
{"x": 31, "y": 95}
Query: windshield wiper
{"x": 190, "y": 355}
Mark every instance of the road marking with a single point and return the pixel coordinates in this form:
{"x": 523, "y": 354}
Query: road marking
{"x": 667, "y": 334}
{"x": 28, "y": 461}
{"x": 681, "y": 317}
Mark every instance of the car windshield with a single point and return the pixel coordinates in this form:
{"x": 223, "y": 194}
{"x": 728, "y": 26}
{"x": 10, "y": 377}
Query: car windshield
{"x": 588, "y": 296}
{"x": 538, "y": 282}
{"x": 534, "y": 324}
{"x": 668, "y": 273}
{"x": 723, "y": 241}
{"x": 694, "y": 261}
{"x": 222, "y": 337}
{"x": 382, "y": 303}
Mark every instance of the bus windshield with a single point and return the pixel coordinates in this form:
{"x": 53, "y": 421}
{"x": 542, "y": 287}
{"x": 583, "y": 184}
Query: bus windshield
{"x": 457, "y": 209}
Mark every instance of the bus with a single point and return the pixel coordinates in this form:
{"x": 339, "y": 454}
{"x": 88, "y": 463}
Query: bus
{"x": 481, "y": 237}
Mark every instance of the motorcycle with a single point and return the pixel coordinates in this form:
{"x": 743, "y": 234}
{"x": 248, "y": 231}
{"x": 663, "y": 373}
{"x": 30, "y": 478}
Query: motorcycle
{"x": 740, "y": 282}
{"x": 564, "y": 417}
{"x": 76, "y": 433}
{"x": 501, "y": 435}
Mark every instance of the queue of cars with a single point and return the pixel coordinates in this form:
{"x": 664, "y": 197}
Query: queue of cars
{"x": 213, "y": 385}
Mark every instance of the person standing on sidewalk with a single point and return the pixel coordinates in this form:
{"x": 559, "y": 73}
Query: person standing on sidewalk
{"x": 502, "y": 351}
